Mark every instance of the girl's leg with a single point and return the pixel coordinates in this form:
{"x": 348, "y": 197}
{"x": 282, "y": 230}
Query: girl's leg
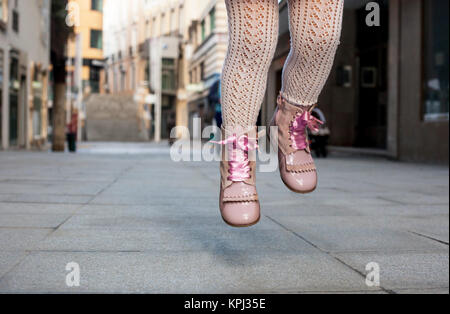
{"x": 253, "y": 33}
{"x": 315, "y": 27}
{"x": 253, "y": 30}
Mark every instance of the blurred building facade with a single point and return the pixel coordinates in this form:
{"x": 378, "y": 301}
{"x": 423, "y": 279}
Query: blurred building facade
{"x": 386, "y": 94}
{"x": 206, "y": 52}
{"x": 157, "y": 51}
{"x": 24, "y": 72}
{"x": 121, "y": 42}
{"x": 89, "y": 29}
{"x": 388, "y": 90}
{"x": 165, "y": 24}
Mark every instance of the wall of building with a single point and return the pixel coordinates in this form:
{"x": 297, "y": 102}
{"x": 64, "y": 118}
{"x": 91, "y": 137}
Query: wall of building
{"x": 208, "y": 49}
{"x": 339, "y": 103}
{"x": 409, "y": 136}
{"x": 33, "y": 36}
{"x": 123, "y": 33}
{"x": 126, "y": 32}
{"x": 30, "y": 43}
{"x": 418, "y": 140}
{"x": 89, "y": 20}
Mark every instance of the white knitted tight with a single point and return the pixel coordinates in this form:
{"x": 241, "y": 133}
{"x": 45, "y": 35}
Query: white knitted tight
{"x": 315, "y": 27}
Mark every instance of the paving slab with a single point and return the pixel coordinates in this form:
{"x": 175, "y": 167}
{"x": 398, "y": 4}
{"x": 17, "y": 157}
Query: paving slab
{"x": 32, "y": 220}
{"x": 4, "y": 197}
{"x": 183, "y": 272}
{"x": 399, "y": 210}
{"x": 21, "y": 239}
{"x": 49, "y": 187}
{"x": 38, "y": 208}
{"x": 149, "y": 221}
{"x": 423, "y": 291}
{"x": 137, "y": 222}
{"x": 400, "y": 271}
{"x": 356, "y": 233}
{"x": 50, "y": 198}
{"x": 9, "y": 259}
{"x": 215, "y": 238}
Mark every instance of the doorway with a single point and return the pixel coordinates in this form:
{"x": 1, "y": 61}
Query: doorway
{"x": 372, "y": 52}
{"x": 14, "y": 101}
{"x": 22, "y": 111}
{"x": 167, "y": 115}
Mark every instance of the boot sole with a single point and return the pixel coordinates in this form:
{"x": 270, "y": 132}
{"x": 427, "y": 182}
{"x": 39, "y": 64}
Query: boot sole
{"x": 242, "y": 226}
{"x": 295, "y": 191}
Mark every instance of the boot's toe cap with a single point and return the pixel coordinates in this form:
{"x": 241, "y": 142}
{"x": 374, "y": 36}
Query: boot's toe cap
{"x": 241, "y": 213}
{"x": 300, "y": 182}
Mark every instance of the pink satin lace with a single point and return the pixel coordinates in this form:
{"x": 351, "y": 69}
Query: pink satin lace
{"x": 238, "y": 156}
{"x": 298, "y": 127}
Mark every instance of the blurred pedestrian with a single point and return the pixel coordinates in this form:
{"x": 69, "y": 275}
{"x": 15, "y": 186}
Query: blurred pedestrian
{"x": 214, "y": 101}
{"x": 72, "y": 130}
{"x": 171, "y": 123}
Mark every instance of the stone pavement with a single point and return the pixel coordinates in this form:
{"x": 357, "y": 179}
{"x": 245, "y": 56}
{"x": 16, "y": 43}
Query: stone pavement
{"x": 134, "y": 221}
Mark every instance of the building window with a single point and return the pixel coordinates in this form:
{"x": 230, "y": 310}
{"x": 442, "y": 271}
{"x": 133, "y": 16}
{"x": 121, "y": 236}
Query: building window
{"x": 148, "y": 32}
{"x": 202, "y": 71}
{"x": 173, "y": 23}
{"x": 154, "y": 28}
{"x": 168, "y": 62}
{"x": 181, "y": 20}
{"x": 168, "y": 75}
{"x": 15, "y": 21}
{"x": 97, "y": 5}
{"x": 15, "y": 16}
{"x": 14, "y": 86}
{"x": 162, "y": 27}
{"x": 147, "y": 72}
{"x": 168, "y": 80}
{"x": 94, "y": 79}
{"x": 436, "y": 60}
{"x": 96, "y": 39}
{"x": 122, "y": 79}
{"x": 203, "y": 26}
{"x": 37, "y": 103}
{"x": 133, "y": 77}
{"x": 194, "y": 75}
{"x": 212, "y": 19}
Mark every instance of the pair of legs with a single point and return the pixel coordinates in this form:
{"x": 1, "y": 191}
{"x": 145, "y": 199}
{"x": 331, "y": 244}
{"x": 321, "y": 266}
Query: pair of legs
{"x": 315, "y": 27}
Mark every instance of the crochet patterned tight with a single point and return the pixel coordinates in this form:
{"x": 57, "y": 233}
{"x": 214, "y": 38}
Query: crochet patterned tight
{"x": 315, "y": 27}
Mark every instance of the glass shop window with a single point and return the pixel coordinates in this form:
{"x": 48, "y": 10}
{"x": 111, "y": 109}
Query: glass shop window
{"x": 436, "y": 60}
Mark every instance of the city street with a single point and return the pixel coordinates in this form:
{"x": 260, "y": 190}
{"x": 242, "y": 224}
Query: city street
{"x": 136, "y": 222}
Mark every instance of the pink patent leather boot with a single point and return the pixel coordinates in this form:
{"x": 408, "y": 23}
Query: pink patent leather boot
{"x": 297, "y": 167}
{"x": 239, "y": 204}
